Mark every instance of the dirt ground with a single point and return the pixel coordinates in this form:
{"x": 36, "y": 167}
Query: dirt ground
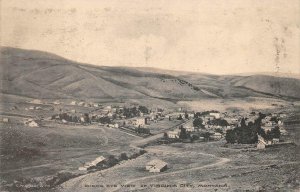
{"x": 200, "y": 167}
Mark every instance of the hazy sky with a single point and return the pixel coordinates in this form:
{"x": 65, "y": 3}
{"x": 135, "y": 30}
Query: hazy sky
{"x": 212, "y": 36}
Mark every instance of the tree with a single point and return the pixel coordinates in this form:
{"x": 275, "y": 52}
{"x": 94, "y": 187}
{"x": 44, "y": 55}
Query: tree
{"x": 186, "y": 115}
{"x": 165, "y": 135}
{"x": 198, "y": 123}
{"x": 183, "y": 134}
{"x": 194, "y": 137}
{"x": 275, "y": 119}
{"x": 143, "y": 109}
{"x": 274, "y": 133}
{"x": 206, "y": 135}
{"x": 218, "y": 130}
{"x": 243, "y": 123}
{"x": 231, "y": 136}
{"x": 123, "y": 156}
{"x": 180, "y": 117}
{"x": 111, "y": 161}
{"x": 220, "y": 122}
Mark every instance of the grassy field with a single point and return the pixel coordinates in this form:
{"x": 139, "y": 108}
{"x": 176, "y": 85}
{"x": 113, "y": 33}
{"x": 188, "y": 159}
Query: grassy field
{"x": 161, "y": 125}
{"x": 246, "y": 104}
{"x": 45, "y": 151}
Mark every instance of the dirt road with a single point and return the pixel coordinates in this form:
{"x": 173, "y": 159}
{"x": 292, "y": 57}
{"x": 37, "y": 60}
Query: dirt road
{"x": 220, "y": 162}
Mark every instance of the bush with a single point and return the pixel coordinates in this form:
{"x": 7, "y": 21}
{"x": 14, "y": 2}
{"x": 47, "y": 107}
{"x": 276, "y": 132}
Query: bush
{"x": 111, "y": 161}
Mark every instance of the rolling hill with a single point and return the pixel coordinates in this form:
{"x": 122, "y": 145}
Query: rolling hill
{"x": 39, "y": 74}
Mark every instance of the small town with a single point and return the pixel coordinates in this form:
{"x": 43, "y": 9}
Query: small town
{"x": 253, "y": 128}
{"x": 149, "y": 96}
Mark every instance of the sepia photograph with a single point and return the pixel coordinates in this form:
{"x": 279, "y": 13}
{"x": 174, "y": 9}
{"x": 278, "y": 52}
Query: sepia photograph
{"x": 149, "y": 96}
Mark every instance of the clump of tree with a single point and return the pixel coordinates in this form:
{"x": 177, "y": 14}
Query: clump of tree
{"x": 218, "y": 130}
{"x": 186, "y": 115}
{"x": 72, "y": 118}
{"x": 274, "y": 133}
{"x": 179, "y": 117}
{"x": 218, "y": 122}
{"x": 143, "y": 109}
{"x": 111, "y": 160}
{"x": 198, "y": 122}
{"x": 274, "y": 119}
{"x": 86, "y": 118}
{"x": 134, "y": 111}
{"x": 123, "y": 156}
{"x": 104, "y": 120}
{"x": 184, "y": 134}
{"x": 245, "y": 134}
{"x": 142, "y": 130}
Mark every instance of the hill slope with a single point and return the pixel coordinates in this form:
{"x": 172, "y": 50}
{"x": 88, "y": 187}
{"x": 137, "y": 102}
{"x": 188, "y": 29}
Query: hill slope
{"x": 43, "y": 75}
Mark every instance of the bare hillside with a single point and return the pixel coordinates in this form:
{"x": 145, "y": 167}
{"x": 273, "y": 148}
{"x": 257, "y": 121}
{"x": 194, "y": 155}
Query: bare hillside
{"x": 43, "y": 75}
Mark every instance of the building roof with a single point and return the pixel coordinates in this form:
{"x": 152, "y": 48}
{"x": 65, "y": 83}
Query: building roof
{"x": 97, "y": 160}
{"x": 157, "y": 163}
{"x": 175, "y": 132}
{"x": 218, "y": 134}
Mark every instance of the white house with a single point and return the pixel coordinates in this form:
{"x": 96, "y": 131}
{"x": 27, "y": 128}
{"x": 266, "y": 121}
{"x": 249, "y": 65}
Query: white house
{"x": 108, "y": 108}
{"x": 5, "y": 120}
{"x": 57, "y": 102}
{"x": 82, "y": 119}
{"x": 73, "y": 102}
{"x": 261, "y": 144}
{"x": 36, "y": 101}
{"x": 156, "y": 165}
{"x": 31, "y": 123}
{"x": 275, "y": 141}
{"x": 173, "y": 134}
{"x": 81, "y": 103}
{"x": 96, "y": 105}
{"x": 64, "y": 121}
{"x": 140, "y": 122}
{"x": 189, "y": 128}
{"x": 267, "y": 128}
{"x": 216, "y": 115}
{"x": 216, "y": 136}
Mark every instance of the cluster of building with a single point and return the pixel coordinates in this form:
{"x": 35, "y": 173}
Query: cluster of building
{"x": 274, "y": 120}
{"x": 33, "y": 108}
{"x": 31, "y": 122}
{"x": 263, "y": 143}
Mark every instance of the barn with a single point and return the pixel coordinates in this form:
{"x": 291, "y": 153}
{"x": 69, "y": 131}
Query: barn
{"x": 156, "y": 165}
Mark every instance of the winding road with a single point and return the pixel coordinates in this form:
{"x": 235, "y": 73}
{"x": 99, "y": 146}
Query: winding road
{"x": 137, "y": 144}
{"x": 220, "y": 162}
